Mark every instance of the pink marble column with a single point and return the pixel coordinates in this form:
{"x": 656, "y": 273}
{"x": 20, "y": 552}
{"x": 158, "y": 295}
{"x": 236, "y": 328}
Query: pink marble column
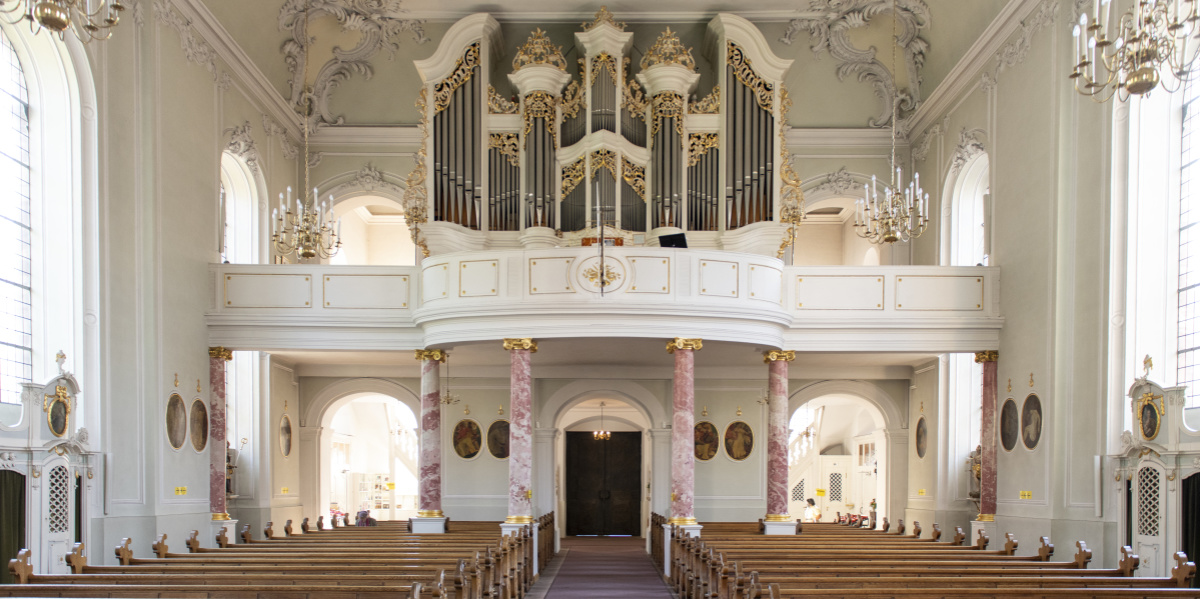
{"x": 987, "y": 475}
{"x": 520, "y": 432}
{"x": 429, "y": 464}
{"x": 217, "y": 357}
{"x": 777, "y": 434}
{"x": 683, "y": 442}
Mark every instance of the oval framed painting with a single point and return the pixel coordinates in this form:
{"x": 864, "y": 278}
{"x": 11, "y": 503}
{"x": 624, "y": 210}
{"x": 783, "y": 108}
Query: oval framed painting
{"x": 1031, "y": 421}
{"x": 708, "y": 440}
{"x": 497, "y": 439}
{"x": 58, "y": 412}
{"x": 198, "y": 424}
{"x": 285, "y": 435}
{"x": 922, "y": 438}
{"x": 467, "y": 439}
{"x": 1010, "y": 425}
{"x": 739, "y": 440}
{"x": 1149, "y": 420}
{"x": 176, "y": 421}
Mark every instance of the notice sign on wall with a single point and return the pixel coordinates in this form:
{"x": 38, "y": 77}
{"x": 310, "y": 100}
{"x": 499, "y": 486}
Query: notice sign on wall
{"x": 820, "y": 492}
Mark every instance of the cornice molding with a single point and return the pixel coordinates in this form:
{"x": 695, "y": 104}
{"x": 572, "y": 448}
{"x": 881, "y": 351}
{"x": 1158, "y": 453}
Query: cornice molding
{"x": 966, "y": 74}
{"x": 865, "y": 137}
{"x": 401, "y": 135}
{"x": 238, "y": 62}
{"x": 574, "y": 17}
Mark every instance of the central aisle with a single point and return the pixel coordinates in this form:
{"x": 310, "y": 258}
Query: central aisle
{"x": 613, "y": 566}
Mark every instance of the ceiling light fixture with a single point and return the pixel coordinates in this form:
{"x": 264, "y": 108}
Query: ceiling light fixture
{"x": 1155, "y": 42}
{"x": 87, "y": 19}
{"x": 602, "y": 434}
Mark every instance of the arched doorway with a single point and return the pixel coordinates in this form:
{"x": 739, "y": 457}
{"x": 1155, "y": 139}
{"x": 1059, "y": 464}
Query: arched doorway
{"x": 373, "y": 458}
{"x": 374, "y": 232}
{"x": 602, "y": 494}
{"x": 837, "y": 456}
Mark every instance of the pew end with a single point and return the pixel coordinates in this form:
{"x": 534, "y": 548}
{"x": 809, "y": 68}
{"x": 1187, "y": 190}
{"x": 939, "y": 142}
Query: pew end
{"x": 937, "y": 532}
{"x": 247, "y": 537}
{"x": 321, "y": 522}
{"x": 76, "y": 560}
{"x": 916, "y": 530}
{"x": 304, "y": 526}
{"x": 123, "y": 552}
{"x": 1010, "y": 544}
{"x": 269, "y": 531}
{"x": 20, "y": 567}
{"x": 160, "y": 546}
{"x": 960, "y": 537}
{"x": 223, "y": 537}
{"x": 1045, "y": 550}
{"x": 287, "y": 528}
{"x": 1082, "y": 556}
{"x": 1129, "y": 561}
{"x": 981, "y": 543}
{"x": 900, "y": 527}
{"x": 193, "y": 542}
{"x": 1183, "y": 572}
{"x": 886, "y": 525}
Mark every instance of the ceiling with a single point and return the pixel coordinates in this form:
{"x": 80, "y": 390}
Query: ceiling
{"x": 576, "y": 10}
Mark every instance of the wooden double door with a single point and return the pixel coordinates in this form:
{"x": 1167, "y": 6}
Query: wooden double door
{"x": 604, "y": 484}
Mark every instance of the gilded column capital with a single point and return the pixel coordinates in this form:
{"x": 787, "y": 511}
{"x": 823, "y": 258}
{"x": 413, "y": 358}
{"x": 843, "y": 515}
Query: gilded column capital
{"x": 524, "y": 343}
{"x": 437, "y": 355}
{"x": 986, "y": 356}
{"x": 778, "y": 356}
{"x": 220, "y": 352}
{"x": 681, "y": 343}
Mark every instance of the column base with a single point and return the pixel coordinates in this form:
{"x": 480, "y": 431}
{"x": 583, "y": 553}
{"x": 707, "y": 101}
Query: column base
{"x": 215, "y": 527}
{"x": 987, "y": 526}
{"x": 428, "y": 524}
{"x": 779, "y": 527}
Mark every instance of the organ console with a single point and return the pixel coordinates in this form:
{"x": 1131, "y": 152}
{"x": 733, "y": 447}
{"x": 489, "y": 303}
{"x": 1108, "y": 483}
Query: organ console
{"x": 571, "y": 144}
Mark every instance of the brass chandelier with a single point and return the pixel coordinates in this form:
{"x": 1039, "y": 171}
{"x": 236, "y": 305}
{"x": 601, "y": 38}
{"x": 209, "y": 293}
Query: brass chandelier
{"x": 1154, "y": 42}
{"x": 602, "y": 434}
{"x": 902, "y": 212}
{"x": 87, "y": 19}
{"x": 309, "y": 231}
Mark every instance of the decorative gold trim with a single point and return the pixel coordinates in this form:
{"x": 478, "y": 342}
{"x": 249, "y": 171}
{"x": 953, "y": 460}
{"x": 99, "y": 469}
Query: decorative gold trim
{"x": 667, "y": 49}
{"x": 572, "y": 175}
{"x": 220, "y": 517}
{"x": 521, "y": 343}
{"x": 604, "y": 159}
{"x": 430, "y": 514}
{"x": 667, "y": 105}
{"x": 437, "y": 355}
{"x": 985, "y": 518}
{"x": 633, "y": 100}
{"x": 635, "y": 176}
{"x": 538, "y": 49}
{"x": 764, "y": 92}
{"x": 791, "y": 193}
{"x": 519, "y": 520}
{"x": 682, "y": 343}
{"x": 604, "y": 60}
{"x": 416, "y": 196}
{"x": 986, "y": 356}
{"x": 464, "y": 69}
{"x": 682, "y": 521}
{"x": 699, "y": 144}
{"x": 60, "y": 396}
{"x": 509, "y": 145}
{"x": 777, "y": 518}
{"x": 603, "y": 17}
{"x": 572, "y": 100}
{"x": 214, "y": 352}
{"x": 711, "y": 104}
{"x": 497, "y": 104}
{"x": 1139, "y": 406}
{"x": 778, "y": 356}
{"x": 540, "y": 105}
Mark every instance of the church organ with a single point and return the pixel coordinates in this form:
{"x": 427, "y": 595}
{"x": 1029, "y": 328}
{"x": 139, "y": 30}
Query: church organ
{"x": 640, "y": 151}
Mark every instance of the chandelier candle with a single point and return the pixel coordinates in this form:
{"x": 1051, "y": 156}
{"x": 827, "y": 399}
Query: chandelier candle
{"x": 1152, "y": 43}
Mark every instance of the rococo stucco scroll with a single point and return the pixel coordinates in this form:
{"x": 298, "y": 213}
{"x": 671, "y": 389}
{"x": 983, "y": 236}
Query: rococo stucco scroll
{"x": 829, "y": 23}
{"x": 378, "y": 24}
{"x": 369, "y": 178}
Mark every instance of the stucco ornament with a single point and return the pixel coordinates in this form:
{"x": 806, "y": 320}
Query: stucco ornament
{"x": 368, "y": 178}
{"x": 378, "y": 24}
{"x": 241, "y": 144}
{"x": 839, "y": 183}
{"x": 970, "y": 144}
{"x": 829, "y": 22}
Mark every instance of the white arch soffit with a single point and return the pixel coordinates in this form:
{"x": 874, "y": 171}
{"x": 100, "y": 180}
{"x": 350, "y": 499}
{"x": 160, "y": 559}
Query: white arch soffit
{"x": 63, "y": 123}
{"x": 958, "y": 181}
{"x": 819, "y": 188}
{"x": 893, "y": 417}
{"x": 351, "y": 201}
{"x": 580, "y": 391}
{"x": 595, "y": 420}
{"x": 328, "y": 400}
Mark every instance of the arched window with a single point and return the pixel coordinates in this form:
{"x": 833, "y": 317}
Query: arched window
{"x": 16, "y": 256}
{"x": 1188, "y": 348}
{"x": 238, "y": 197}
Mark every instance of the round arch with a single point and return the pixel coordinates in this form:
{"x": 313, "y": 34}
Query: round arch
{"x": 247, "y": 189}
{"x": 316, "y": 432}
{"x": 893, "y": 417}
{"x": 580, "y": 391}
{"x": 969, "y": 180}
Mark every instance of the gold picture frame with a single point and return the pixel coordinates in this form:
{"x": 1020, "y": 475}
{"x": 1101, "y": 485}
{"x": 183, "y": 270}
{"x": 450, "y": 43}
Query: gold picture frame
{"x": 738, "y": 440}
{"x": 1149, "y": 415}
{"x": 58, "y": 411}
{"x": 467, "y": 439}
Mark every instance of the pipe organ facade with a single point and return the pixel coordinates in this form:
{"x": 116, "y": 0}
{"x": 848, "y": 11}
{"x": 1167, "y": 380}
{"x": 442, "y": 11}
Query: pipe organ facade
{"x": 639, "y": 152}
